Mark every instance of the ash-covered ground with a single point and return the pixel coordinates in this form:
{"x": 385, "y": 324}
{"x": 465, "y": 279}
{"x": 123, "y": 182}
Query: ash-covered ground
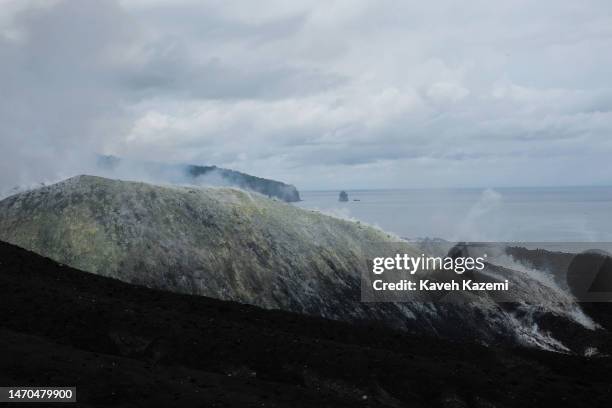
{"x": 125, "y": 345}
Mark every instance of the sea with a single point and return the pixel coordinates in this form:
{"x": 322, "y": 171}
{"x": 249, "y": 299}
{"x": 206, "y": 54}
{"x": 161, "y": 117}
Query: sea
{"x": 542, "y": 214}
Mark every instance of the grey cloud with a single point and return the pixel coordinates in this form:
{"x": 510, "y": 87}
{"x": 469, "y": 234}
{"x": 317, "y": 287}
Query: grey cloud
{"x": 69, "y": 76}
{"x": 189, "y": 64}
{"x": 58, "y": 100}
{"x": 176, "y": 76}
{"x": 518, "y": 92}
{"x": 202, "y": 21}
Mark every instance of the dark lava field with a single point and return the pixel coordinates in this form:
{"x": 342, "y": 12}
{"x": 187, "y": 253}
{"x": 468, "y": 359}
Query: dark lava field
{"x": 123, "y": 345}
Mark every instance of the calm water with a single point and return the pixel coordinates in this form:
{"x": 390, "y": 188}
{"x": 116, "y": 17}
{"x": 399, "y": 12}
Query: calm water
{"x": 506, "y": 214}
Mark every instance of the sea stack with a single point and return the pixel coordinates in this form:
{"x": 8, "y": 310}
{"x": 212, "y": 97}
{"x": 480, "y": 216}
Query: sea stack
{"x": 343, "y": 196}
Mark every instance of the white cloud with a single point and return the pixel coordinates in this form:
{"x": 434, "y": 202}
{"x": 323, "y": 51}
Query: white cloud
{"x": 445, "y": 92}
{"x": 321, "y": 94}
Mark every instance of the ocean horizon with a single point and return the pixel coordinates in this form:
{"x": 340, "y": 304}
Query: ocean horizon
{"x": 523, "y": 214}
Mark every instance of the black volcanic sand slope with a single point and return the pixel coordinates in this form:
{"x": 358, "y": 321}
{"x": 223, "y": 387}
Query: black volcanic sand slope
{"x": 128, "y": 346}
{"x": 601, "y": 312}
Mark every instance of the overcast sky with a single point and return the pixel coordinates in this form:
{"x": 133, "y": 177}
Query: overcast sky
{"x": 321, "y": 94}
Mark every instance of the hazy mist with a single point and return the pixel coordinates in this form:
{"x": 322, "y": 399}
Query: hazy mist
{"x": 339, "y": 94}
